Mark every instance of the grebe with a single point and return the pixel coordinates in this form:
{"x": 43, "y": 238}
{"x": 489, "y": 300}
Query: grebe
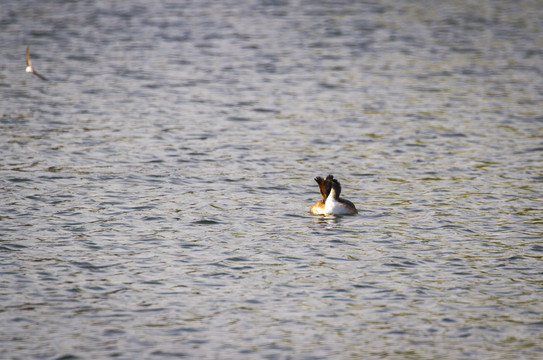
{"x": 318, "y": 207}
{"x": 334, "y": 205}
{"x": 331, "y": 203}
{"x": 29, "y": 67}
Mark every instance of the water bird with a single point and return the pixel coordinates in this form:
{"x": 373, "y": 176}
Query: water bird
{"x": 318, "y": 207}
{"x": 331, "y": 203}
{"x": 29, "y": 68}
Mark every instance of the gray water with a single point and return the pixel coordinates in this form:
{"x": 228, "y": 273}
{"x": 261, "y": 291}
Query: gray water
{"x": 155, "y": 191}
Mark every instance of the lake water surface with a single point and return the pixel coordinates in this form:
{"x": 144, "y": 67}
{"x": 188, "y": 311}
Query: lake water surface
{"x": 155, "y": 191}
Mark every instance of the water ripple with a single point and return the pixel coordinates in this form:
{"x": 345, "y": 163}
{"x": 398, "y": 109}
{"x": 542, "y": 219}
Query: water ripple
{"x": 155, "y": 191}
